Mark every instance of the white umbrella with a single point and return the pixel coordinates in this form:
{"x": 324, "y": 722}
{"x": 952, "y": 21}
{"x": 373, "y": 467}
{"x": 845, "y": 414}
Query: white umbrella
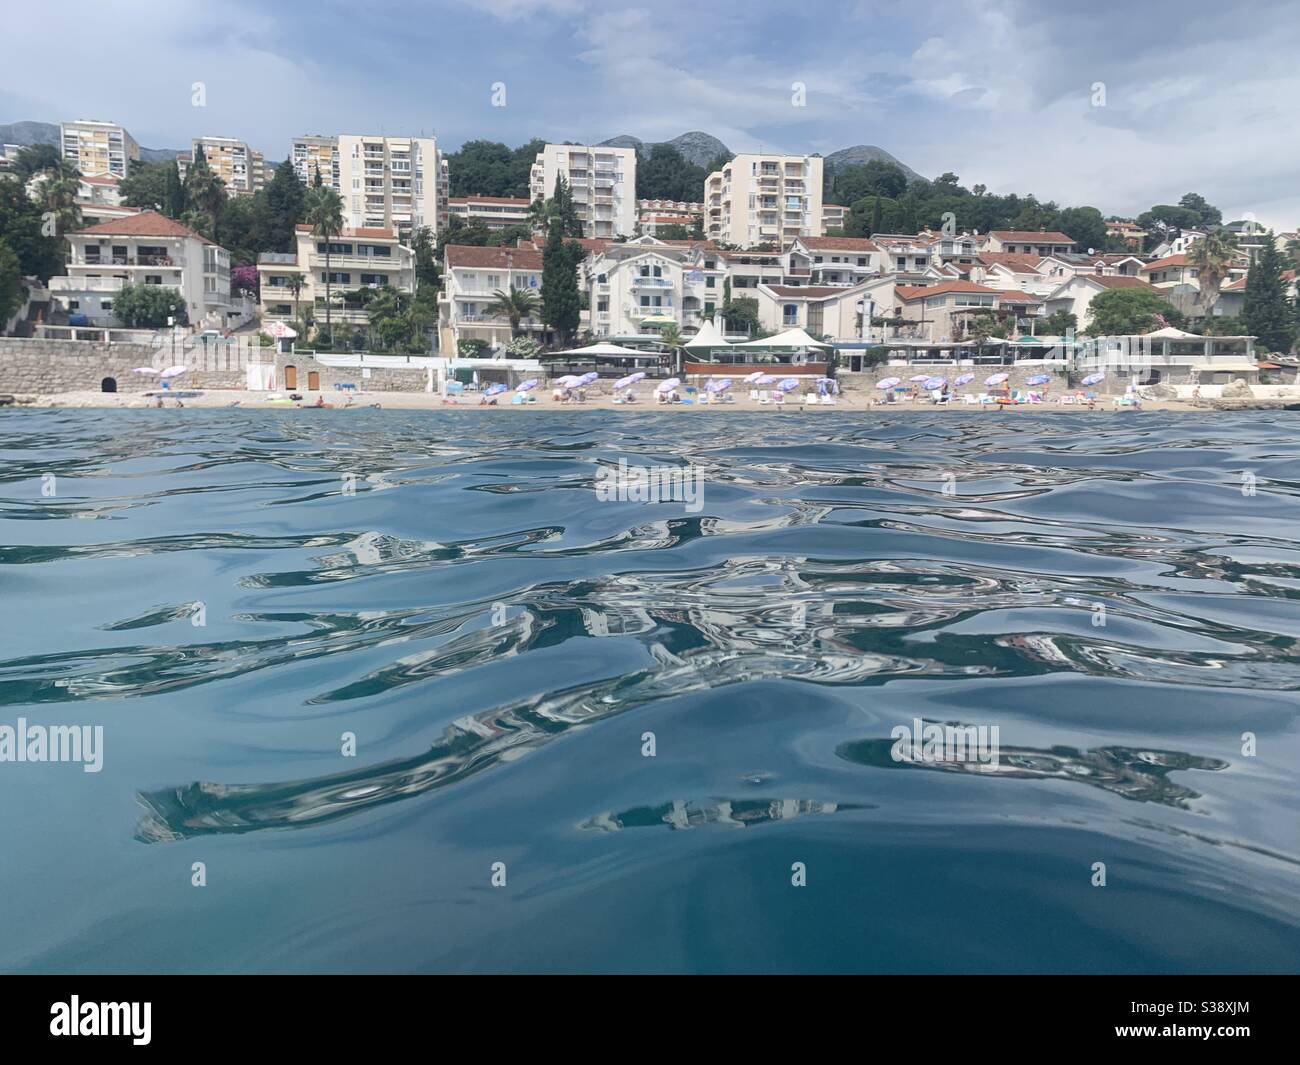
{"x": 567, "y": 381}
{"x": 629, "y": 380}
{"x": 889, "y": 382}
{"x": 788, "y": 385}
{"x": 750, "y": 378}
{"x": 919, "y": 377}
{"x": 144, "y": 369}
{"x": 996, "y": 379}
{"x": 173, "y": 371}
{"x": 668, "y": 386}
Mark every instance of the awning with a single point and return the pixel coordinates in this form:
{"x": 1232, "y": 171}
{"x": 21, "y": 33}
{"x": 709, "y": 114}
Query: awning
{"x": 707, "y": 337}
{"x": 659, "y": 319}
{"x": 791, "y": 338}
{"x": 592, "y": 350}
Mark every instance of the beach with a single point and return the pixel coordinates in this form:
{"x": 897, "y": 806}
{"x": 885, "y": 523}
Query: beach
{"x": 849, "y": 401}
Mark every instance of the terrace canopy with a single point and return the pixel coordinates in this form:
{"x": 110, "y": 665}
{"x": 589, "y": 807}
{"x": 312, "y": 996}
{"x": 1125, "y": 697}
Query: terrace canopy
{"x": 791, "y": 338}
{"x": 707, "y": 337}
{"x": 593, "y": 350}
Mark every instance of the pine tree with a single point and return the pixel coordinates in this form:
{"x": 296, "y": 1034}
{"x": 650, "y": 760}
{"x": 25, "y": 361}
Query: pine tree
{"x": 564, "y": 209}
{"x": 200, "y": 158}
{"x": 1265, "y": 310}
{"x": 561, "y": 303}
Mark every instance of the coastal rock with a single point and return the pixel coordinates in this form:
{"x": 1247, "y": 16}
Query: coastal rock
{"x": 1237, "y": 389}
{"x": 1160, "y": 392}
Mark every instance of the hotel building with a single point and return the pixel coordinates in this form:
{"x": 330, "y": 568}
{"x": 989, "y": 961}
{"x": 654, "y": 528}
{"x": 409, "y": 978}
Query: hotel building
{"x": 603, "y": 182}
{"x": 764, "y": 200}
{"x": 242, "y": 169}
{"x": 384, "y": 182}
{"x": 98, "y": 147}
{"x": 359, "y": 259}
{"x": 144, "y": 249}
{"x": 495, "y": 212}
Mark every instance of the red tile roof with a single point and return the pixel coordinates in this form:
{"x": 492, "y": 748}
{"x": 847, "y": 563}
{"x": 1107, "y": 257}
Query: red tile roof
{"x": 144, "y": 224}
{"x": 1172, "y": 260}
{"x": 912, "y": 292}
{"x": 1116, "y": 280}
{"x": 838, "y": 244}
{"x": 1016, "y": 262}
{"x": 809, "y": 292}
{"x": 501, "y": 258}
{"x": 356, "y": 234}
{"x": 1029, "y": 236}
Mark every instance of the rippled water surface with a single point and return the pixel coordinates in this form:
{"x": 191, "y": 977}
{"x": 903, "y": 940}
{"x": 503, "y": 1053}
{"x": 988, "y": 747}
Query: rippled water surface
{"x": 1105, "y": 589}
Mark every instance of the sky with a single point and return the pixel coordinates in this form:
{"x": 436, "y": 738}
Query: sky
{"x": 1117, "y": 105}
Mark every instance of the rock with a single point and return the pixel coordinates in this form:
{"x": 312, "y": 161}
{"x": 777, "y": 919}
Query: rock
{"x": 1237, "y": 389}
{"x": 1160, "y": 392}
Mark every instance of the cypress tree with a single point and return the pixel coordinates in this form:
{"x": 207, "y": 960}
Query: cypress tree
{"x": 173, "y": 192}
{"x": 1265, "y": 309}
{"x": 561, "y": 303}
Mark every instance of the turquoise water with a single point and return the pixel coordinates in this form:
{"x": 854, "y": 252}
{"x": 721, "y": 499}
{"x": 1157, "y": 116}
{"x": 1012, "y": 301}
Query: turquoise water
{"x": 500, "y": 641}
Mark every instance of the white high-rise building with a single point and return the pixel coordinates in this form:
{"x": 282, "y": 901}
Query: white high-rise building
{"x": 602, "y": 180}
{"x": 394, "y": 183}
{"x": 95, "y": 147}
{"x": 764, "y": 199}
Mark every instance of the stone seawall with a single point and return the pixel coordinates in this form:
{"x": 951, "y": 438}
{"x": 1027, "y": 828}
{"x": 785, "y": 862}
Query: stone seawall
{"x": 30, "y": 367}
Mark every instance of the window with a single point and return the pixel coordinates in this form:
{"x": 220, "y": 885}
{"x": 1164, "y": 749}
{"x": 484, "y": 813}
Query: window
{"x": 709, "y": 282}
{"x": 790, "y": 313}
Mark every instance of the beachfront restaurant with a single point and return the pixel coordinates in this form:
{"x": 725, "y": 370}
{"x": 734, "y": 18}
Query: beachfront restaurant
{"x": 792, "y": 353}
{"x": 1172, "y": 356}
{"x": 609, "y": 359}
{"x": 1048, "y": 350}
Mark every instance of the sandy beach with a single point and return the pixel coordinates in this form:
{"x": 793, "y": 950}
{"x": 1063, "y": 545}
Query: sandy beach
{"x": 852, "y": 401}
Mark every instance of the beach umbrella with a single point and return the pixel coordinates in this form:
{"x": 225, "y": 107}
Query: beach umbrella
{"x": 1038, "y": 379}
{"x": 588, "y": 378}
{"x": 718, "y": 384}
{"x": 526, "y": 386}
{"x": 567, "y": 381}
{"x": 1094, "y": 379}
{"x": 789, "y": 384}
{"x": 996, "y": 379}
{"x": 667, "y": 386}
{"x": 888, "y": 382}
{"x": 919, "y": 377}
{"x": 931, "y": 383}
{"x": 965, "y": 379}
{"x": 494, "y": 389}
{"x": 173, "y": 371}
{"x": 751, "y": 378}
{"x": 765, "y": 379}
{"x": 629, "y": 380}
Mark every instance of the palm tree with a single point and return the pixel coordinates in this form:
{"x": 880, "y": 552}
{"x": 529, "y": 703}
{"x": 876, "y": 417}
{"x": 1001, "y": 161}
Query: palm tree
{"x": 294, "y": 284}
{"x": 58, "y": 193}
{"x": 207, "y": 193}
{"x": 1212, "y": 255}
{"x": 671, "y": 335}
{"x": 516, "y": 305}
{"x": 325, "y": 216}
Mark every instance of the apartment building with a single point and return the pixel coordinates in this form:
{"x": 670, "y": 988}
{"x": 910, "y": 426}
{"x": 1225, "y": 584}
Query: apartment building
{"x": 95, "y": 147}
{"x": 241, "y": 168}
{"x": 495, "y": 212}
{"x": 314, "y": 155}
{"x": 639, "y": 286}
{"x": 822, "y": 310}
{"x": 833, "y": 218}
{"x": 603, "y": 182}
{"x": 471, "y": 278}
{"x": 100, "y": 199}
{"x": 831, "y": 260}
{"x": 1027, "y": 242}
{"x": 145, "y": 249}
{"x": 764, "y": 200}
{"x": 942, "y": 312}
{"x": 359, "y": 259}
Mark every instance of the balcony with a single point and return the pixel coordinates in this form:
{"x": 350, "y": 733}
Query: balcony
{"x": 651, "y": 282}
{"x": 133, "y": 260}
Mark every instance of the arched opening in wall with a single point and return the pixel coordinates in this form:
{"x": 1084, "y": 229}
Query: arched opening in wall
{"x": 291, "y": 376}
{"x": 108, "y": 384}
{"x": 313, "y": 380}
